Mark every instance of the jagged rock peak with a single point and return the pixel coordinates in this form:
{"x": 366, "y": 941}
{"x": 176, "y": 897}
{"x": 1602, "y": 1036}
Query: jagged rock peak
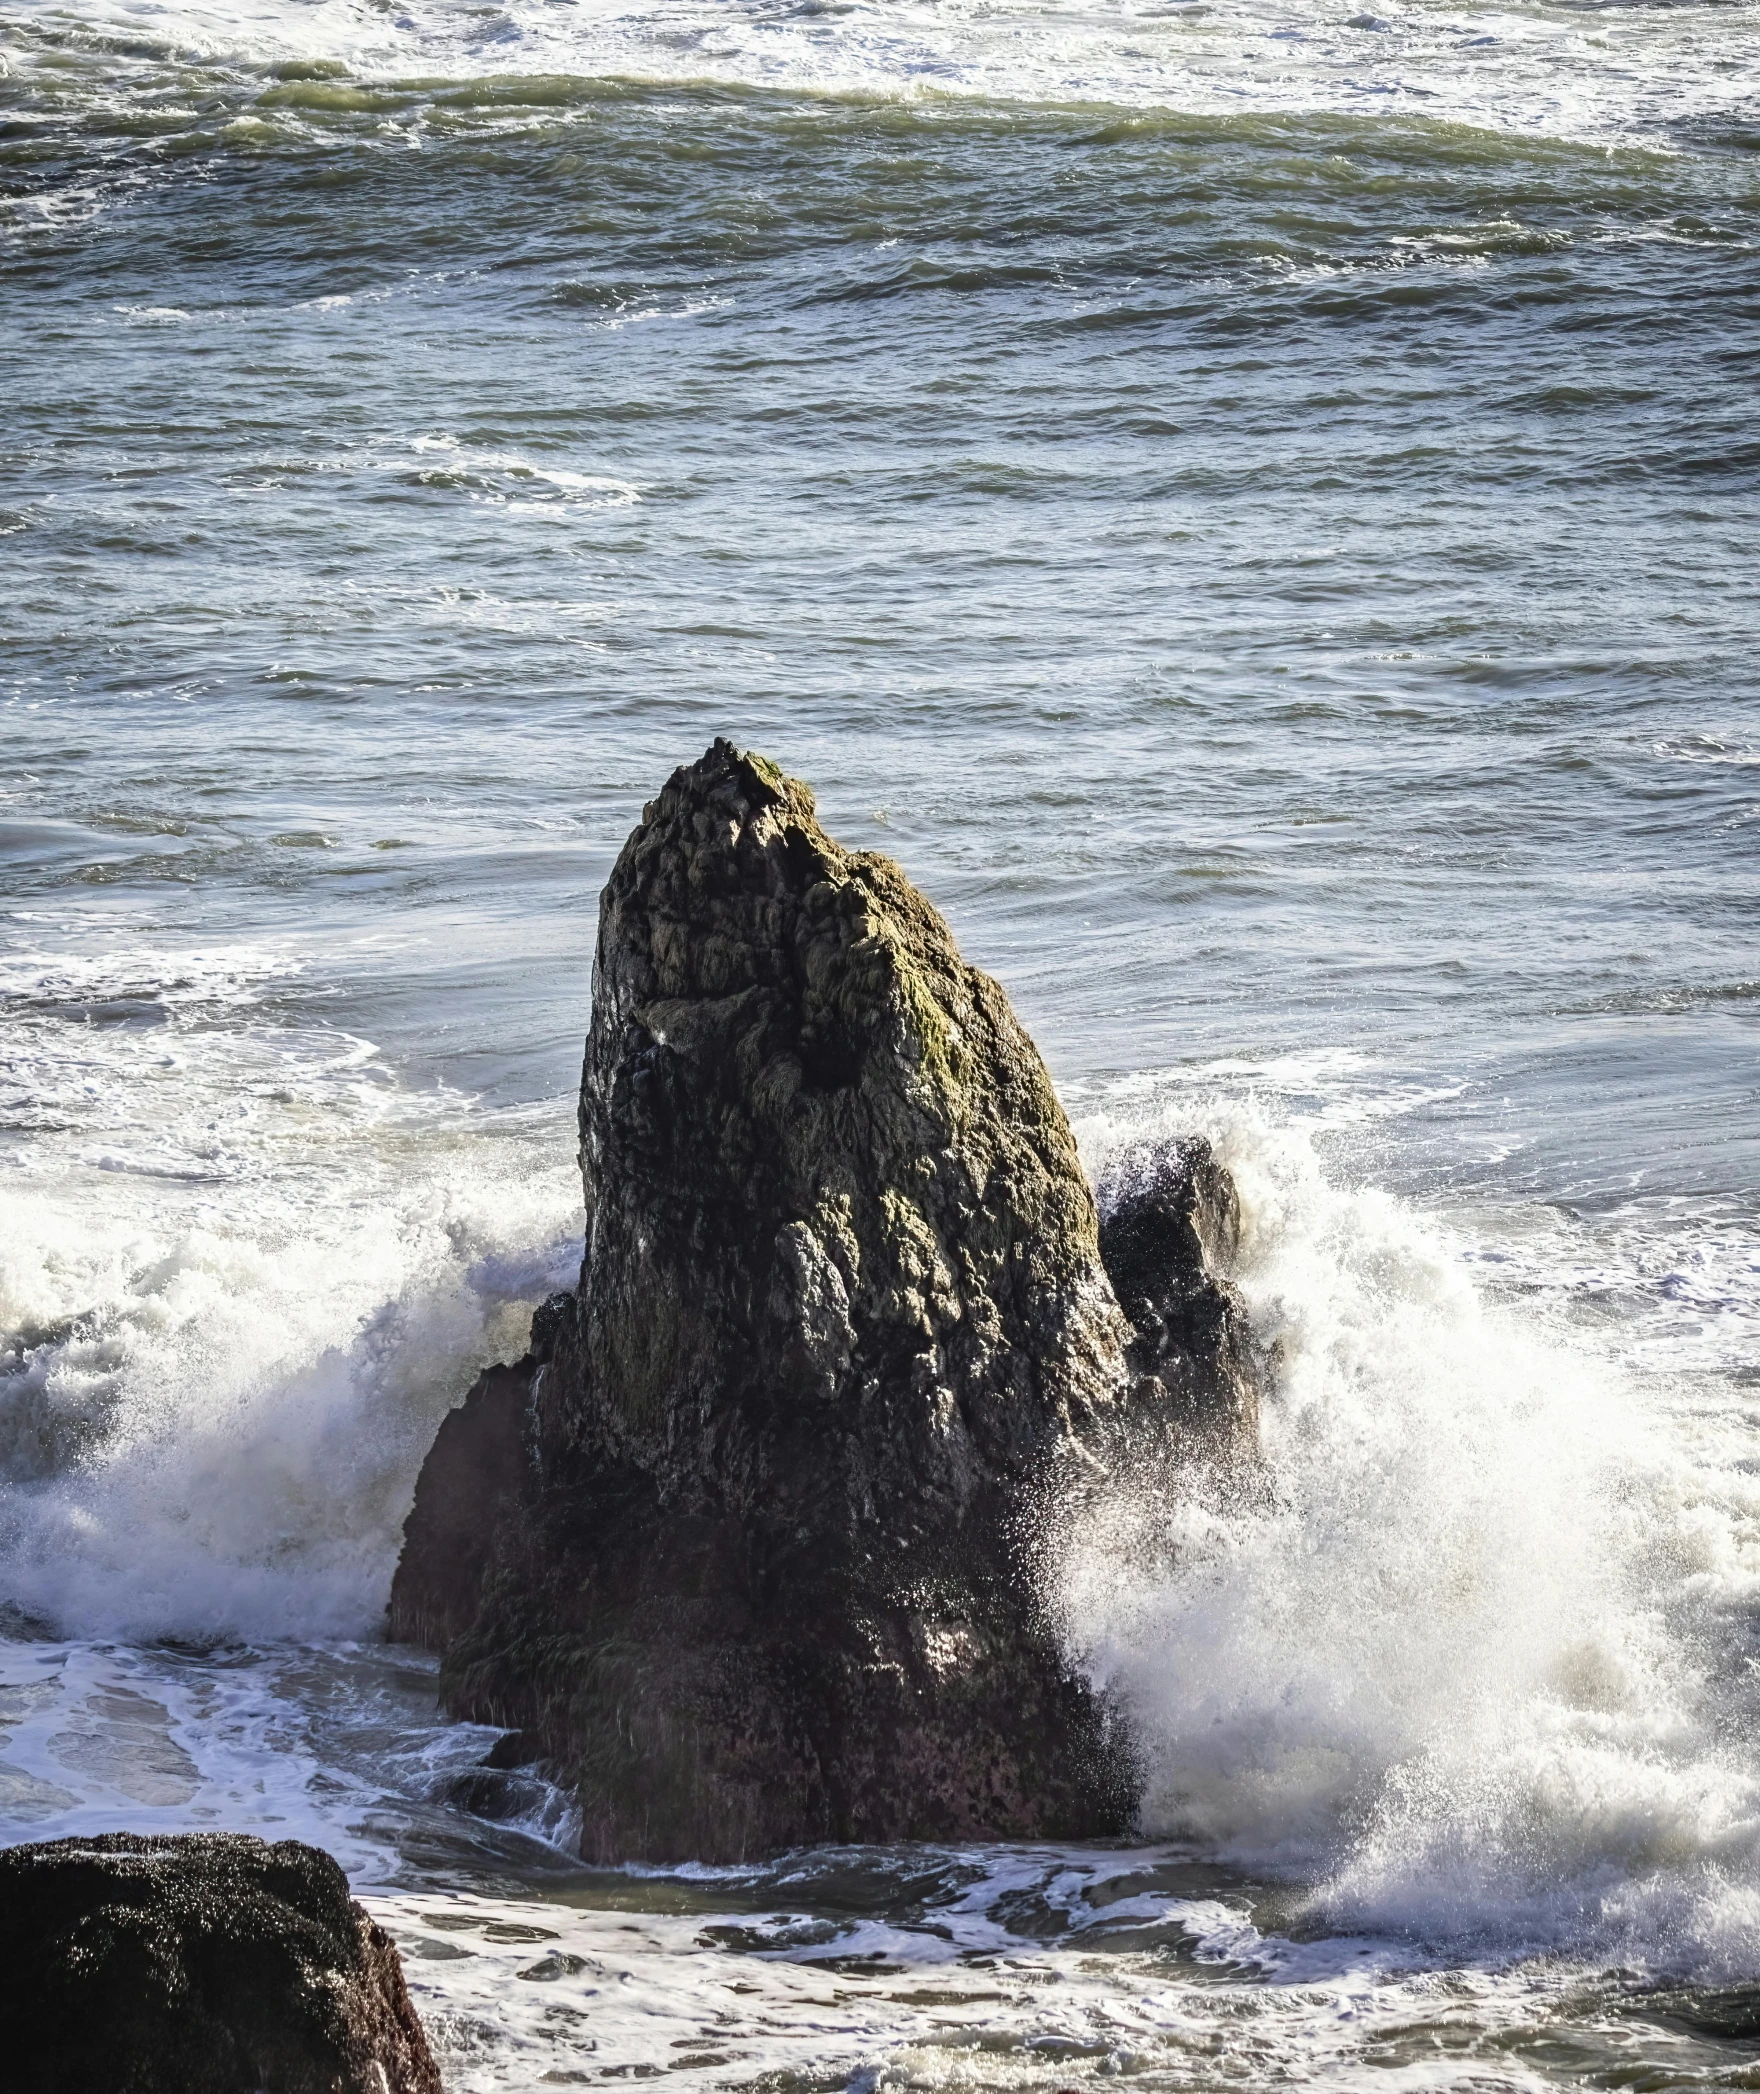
{"x": 739, "y": 1546}
{"x": 818, "y": 1151}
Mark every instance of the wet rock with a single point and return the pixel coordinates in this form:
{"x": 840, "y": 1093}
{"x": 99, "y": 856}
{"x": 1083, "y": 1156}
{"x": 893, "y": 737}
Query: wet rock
{"x": 198, "y": 1963}
{"x": 502, "y": 1798}
{"x": 515, "y": 1749}
{"x": 761, "y": 1573}
{"x": 552, "y": 1966}
{"x": 471, "y": 1481}
{"x": 1170, "y": 1227}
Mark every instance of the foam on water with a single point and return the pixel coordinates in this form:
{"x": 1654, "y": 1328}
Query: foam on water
{"x": 1017, "y": 1973}
{"x": 1473, "y": 1657}
{"x": 243, "y": 1272}
{"x": 1550, "y": 69}
{"x": 927, "y": 1967}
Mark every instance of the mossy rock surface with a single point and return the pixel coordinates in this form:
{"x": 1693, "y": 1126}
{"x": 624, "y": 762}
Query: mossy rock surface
{"x": 761, "y": 1575}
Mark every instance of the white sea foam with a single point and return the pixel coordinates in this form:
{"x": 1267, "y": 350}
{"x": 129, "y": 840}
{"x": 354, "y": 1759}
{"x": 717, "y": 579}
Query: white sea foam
{"x": 507, "y": 480}
{"x": 99, "y": 1738}
{"x": 440, "y": 466}
{"x": 1472, "y": 1660}
{"x": 1543, "y": 69}
{"x": 516, "y": 1991}
{"x": 983, "y": 1967}
{"x": 243, "y": 1272}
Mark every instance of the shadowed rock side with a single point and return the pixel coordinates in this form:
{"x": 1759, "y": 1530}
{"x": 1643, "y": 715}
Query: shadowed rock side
{"x": 197, "y": 1963}
{"x": 740, "y": 1545}
{"x": 1170, "y": 1224}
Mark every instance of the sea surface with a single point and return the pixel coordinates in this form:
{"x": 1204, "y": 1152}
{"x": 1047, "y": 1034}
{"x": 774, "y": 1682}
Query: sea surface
{"x": 1257, "y": 506}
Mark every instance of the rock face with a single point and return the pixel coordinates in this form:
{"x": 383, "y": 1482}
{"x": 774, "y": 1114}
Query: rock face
{"x": 200, "y": 1963}
{"x": 741, "y": 1547}
{"x": 1170, "y": 1221}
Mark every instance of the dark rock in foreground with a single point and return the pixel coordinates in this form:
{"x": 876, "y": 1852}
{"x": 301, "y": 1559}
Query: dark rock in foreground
{"x": 199, "y": 1963}
{"x": 742, "y": 1546}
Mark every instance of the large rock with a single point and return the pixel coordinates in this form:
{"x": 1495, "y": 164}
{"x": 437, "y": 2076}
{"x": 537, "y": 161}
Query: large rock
{"x": 743, "y": 1546}
{"x": 199, "y": 1963}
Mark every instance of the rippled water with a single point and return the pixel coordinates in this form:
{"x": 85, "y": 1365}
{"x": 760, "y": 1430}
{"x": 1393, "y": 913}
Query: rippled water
{"x": 1255, "y": 507}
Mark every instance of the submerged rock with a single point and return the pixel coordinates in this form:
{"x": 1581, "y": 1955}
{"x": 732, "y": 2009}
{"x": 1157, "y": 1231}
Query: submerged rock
{"x": 198, "y": 1963}
{"x": 742, "y": 1546}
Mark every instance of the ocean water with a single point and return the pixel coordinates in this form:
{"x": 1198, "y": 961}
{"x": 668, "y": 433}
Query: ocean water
{"x": 1255, "y": 506}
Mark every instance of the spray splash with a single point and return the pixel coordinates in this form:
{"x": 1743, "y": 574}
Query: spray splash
{"x": 257, "y": 1274}
{"x": 1473, "y": 1665}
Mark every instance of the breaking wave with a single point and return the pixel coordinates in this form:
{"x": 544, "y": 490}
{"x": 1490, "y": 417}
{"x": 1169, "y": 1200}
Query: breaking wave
{"x": 1470, "y": 1661}
{"x": 243, "y": 1273}
{"x": 1633, "y": 72}
{"x": 1473, "y": 1658}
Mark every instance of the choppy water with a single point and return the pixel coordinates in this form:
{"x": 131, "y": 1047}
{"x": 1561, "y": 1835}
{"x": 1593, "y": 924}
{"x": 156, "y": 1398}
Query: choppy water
{"x": 1255, "y": 506}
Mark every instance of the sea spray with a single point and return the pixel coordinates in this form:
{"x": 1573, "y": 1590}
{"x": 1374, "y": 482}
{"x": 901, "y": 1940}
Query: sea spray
{"x": 231, "y": 1433}
{"x": 1470, "y": 1657}
{"x": 265, "y": 1270}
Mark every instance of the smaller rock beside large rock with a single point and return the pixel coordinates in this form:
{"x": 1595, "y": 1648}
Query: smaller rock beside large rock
{"x": 197, "y": 1963}
{"x": 1170, "y": 1231}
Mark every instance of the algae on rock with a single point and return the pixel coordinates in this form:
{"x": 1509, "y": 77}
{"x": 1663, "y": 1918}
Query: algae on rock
{"x": 741, "y": 1544}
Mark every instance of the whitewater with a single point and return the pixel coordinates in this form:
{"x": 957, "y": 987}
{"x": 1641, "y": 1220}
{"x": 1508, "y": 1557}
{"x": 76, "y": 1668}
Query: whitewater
{"x": 1253, "y": 505}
